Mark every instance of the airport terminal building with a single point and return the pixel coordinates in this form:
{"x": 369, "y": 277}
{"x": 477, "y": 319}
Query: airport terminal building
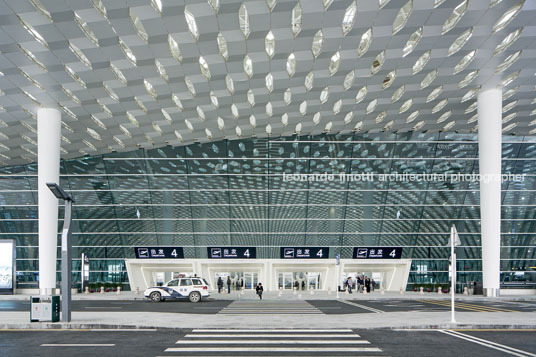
{"x": 293, "y": 143}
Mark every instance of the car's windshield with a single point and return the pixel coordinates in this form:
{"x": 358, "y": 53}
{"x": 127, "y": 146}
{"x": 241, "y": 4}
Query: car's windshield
{"x": 173, "y": 282}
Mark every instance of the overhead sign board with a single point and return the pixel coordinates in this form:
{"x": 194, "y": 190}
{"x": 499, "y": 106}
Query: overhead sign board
{"x": 304, "y": 252}
{"x": 7, "y": 266}
{"x": 377, "y": 253}
{"x": 232, "y": 252}
{"x": 159, "y": 252}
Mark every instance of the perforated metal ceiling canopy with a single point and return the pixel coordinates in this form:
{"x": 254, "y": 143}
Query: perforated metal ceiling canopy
{"x": 150, "y": 73}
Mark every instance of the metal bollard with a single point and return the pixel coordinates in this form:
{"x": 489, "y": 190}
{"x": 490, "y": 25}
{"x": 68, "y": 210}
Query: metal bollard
{"x": 137, "y": 291}
{"x": 102, "y": 289}
{"x": 118, "y": 290}
{"x": 364, "y": 290}
{"x": 439, "y": 290}
{"x": 329, "y": 291}
{"x": 421, "y": 292}
{"x": 401, "y": 291}
{"x": 465, "y": 291}
{"x": 86, "y": 291}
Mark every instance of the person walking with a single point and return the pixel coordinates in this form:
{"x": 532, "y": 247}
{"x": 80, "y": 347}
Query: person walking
{"x": 349, "y": 283}
{"x": 228, "y": 284}
{"x": 259, "y": 289}
{"x": 367, "y": 284}
{"x": 372, "y": 284}
{"x": 220, "y": 284}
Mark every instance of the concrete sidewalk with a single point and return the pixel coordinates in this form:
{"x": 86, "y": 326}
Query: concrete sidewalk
{"x": 84, "y": 320}
{"x": 294, "y": 295}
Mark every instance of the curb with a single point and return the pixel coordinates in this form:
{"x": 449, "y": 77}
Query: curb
{"x": 82, "y": 326}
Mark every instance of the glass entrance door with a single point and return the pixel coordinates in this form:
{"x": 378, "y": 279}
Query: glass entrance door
{"x": 250, "y": 280}
{"x": 286, "y": 280}
{"x": 313, "y": 281}
{"x": 239, "y": 280}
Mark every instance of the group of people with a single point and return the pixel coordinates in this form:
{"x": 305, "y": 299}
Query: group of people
{"x": 361, "y": 282}
{"x": 229, "y": 283}
{"x": 239, "y": 284}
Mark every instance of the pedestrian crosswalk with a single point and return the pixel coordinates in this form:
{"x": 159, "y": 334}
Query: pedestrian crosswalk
{"x": 273, "y": 342}
{"x": 270, "y": 307}
{"x": 468, "y": 306}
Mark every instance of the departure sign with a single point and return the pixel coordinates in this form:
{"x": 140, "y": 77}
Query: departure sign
{"x": 377, "y": 252}
{"x": 232, "y": 252}
{"x": 159, "y": 252}
{"x": 304, "y": 252}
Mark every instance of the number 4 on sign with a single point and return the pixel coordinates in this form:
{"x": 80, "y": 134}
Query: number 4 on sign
{"x": 174, "y": 253}
{"x": 393, "y": 253}
{"x": 319, "y": 254}
{"x": 246, "y": 253}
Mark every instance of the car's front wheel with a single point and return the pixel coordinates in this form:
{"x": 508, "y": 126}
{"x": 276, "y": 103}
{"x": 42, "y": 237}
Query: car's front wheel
{"x": 194, "y": 296}
{"x": 155, "y": 296}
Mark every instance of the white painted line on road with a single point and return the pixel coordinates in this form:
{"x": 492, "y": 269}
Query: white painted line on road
{"x": 490, "y": 344}
{"x": 103, "y": 307}
{"x": 273, "y": 311}
{"x": 271, "y": 330}
{"x": 299, "y": 307}
{"x": 260, "y": 342}
{"x": 270, "y": 308}
{"x": 78, "y": 345}
{"x": 363, "y": 307}
{"x": 267, "y": 335}
{"x": 415, "y": 329}
{"x": 273, "y": 349}
{"x": 122, "y": 329}
{"x": 267, "y": 313}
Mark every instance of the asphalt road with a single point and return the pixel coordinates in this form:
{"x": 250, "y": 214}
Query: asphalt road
{"x": 221, "y": 342}
{"x": 444, "y": 305}
{"x": 323, "y": 306}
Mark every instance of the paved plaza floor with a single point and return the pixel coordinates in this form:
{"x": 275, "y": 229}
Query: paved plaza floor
{"x": 393, "y": 312}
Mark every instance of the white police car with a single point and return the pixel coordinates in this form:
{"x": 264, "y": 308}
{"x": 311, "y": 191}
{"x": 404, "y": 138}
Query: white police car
{"x": 192, "y": 289}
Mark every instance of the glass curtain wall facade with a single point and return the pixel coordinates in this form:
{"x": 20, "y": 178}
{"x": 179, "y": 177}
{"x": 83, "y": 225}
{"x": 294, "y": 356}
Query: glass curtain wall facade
{"x": 234, "y": 193}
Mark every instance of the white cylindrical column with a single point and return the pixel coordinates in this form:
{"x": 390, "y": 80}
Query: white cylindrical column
{"x": 48, "y": 166}
{"x": 489, "y": 160}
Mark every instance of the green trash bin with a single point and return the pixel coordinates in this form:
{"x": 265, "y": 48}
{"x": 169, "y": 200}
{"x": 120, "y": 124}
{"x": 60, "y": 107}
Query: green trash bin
{"x": 45, "y": 308}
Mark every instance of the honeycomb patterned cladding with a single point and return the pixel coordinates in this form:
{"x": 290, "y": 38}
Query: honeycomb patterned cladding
{"x": 146, "y": 74}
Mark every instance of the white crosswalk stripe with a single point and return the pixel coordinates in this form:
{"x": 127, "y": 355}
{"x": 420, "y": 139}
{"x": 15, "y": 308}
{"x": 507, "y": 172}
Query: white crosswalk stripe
{"x": 261, "y": 307}
{"x": 273, "y": 342}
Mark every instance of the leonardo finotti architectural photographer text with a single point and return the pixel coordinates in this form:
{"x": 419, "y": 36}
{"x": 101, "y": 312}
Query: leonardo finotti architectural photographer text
{"x": 411, "y": 177}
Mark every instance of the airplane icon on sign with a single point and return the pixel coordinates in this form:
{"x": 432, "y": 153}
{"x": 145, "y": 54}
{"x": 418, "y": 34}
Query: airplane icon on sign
{"x": 289, "y": 253}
